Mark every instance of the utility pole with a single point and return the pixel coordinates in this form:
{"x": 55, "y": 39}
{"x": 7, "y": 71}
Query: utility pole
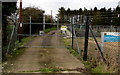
{"x": 86, "y": 39}
{"x": 20, "y": 20}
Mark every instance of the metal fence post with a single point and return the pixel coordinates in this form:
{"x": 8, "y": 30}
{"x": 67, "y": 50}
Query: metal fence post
{"x": 78, "y": 49}
{"x": 10, "y": 40}
{"x": 44, "y": 23}
{"x": 57, "y": 23}
{"x": 30, "y": 25}
{"x": 86, "y": 39}
{"x": 72, "y": 33}
{"x": 101, "y": 52}
{"x": 15, "y": 36}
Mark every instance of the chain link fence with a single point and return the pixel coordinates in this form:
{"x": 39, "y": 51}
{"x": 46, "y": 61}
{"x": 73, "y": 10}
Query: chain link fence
{"x": 110, "y": 50}
{"x": 12, "y": 38}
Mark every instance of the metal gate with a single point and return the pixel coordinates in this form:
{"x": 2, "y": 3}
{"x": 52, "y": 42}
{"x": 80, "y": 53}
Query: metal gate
{"x": 39, "y": 33}
{"x": 37, "y": 37}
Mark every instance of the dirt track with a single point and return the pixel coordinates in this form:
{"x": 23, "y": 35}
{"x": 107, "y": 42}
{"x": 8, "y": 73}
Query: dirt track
{"x": 54, "y": 55}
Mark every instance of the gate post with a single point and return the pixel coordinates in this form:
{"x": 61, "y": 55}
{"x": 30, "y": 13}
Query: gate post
{"x": 30, "y": 25}
{"x": 58, "y": 23}
{"x": 44, "y": 23}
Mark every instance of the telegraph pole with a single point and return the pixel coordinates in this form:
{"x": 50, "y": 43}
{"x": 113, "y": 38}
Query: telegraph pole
{"x": 20, "y": 20}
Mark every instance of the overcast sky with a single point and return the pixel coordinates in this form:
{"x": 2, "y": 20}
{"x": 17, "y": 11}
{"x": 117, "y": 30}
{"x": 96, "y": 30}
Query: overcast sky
{"x": 54, "y": 5}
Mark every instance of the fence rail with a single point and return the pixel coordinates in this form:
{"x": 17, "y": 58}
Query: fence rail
{"x": 106, "y": 28}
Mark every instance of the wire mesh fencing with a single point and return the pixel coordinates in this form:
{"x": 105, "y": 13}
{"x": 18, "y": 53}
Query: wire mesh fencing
{"x": 110, "y": 50}
{"x": 12, "y": 39}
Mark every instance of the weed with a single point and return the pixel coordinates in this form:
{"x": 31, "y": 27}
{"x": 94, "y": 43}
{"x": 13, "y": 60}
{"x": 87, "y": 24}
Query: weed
{"x": 24, "y": 41}
{"x": 18, "y": 51}
{"x": 91, "y": 67}
{"x": 87, "y": 64}
{"x": 98, "y": 69}
{"x": 46, "y": 70}
{"x": 15, "y": 53}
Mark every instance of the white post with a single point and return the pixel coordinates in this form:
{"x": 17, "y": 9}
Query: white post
{"x": 78, "y": 18}
{"x": 44, "y": 23}
{"x": 70, "y": 20}
{"x": 30, "y": 25}
{"x": 81, "y": 21}
{"x": 78, "y": 49}
{"x": 73, "y": 20}
{"x": 57, "y": 23}
{"x": 102, "y": 41}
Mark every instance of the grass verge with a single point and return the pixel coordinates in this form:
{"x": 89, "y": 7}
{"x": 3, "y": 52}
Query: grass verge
{"x": 47, "y": 70}
{"x": 18, "y": 51}
{"x": 24, "y": 41}
{"x": 67, "y": 42}
{"x": 50, "y": 29}
{"x": 88, "y": 65}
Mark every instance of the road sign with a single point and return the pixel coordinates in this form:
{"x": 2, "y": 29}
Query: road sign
{"x": 63, "y": 27}
{"x": 20, "y": 24}
{"x": 111, "y": 36}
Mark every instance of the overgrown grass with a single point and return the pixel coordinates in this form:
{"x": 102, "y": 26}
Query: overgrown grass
{"x": 88, "y": 64}
{"x": 15, "y": 53}
{"x": 24, "y": 41}
{"x": 72, "y": 51}
{"x": 67, "y": 42}
{"x": 50, "y": 29}
{"x": 47, "y": 70}
{"x": 50, "y": 70}
{"x": 98, "y": 69}
{"x": 18, "y": 51}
